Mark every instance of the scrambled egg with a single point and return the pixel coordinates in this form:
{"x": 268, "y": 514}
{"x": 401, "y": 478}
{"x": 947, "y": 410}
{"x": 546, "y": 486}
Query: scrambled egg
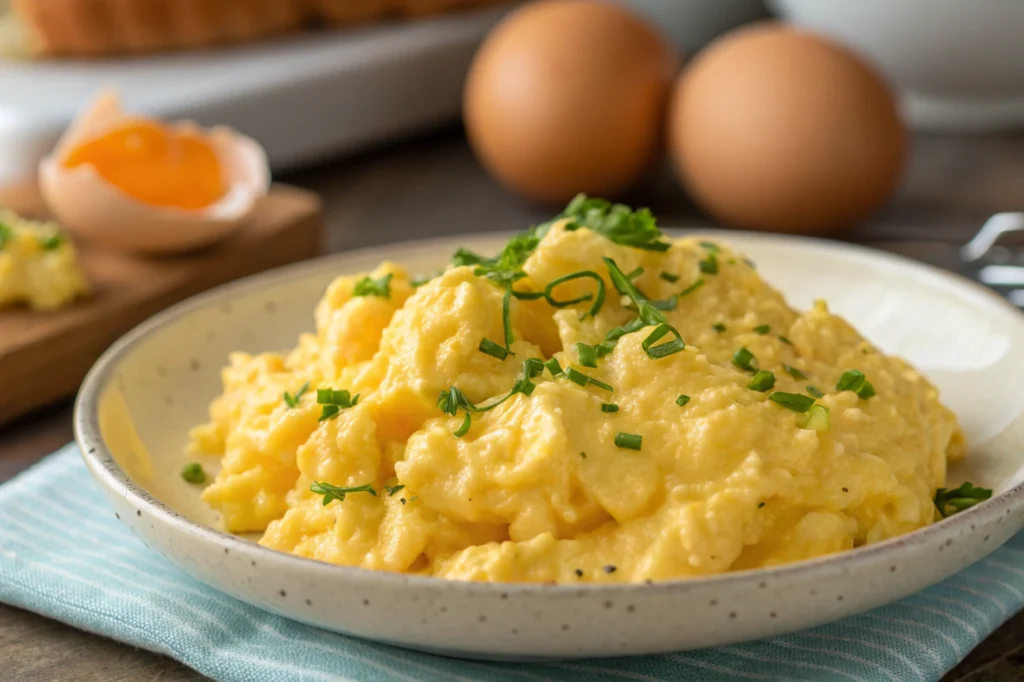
{"x": 38, "y": 266}
{"x": 693, "y": 463}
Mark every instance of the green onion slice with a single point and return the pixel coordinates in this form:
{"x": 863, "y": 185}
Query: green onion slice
{"x": 792, "y": 401}
{"x": 762, "y": 381}
{"x": 628, "y": 441}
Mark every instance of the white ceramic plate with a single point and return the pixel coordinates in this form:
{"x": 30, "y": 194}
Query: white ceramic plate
{"x": 140, "y": 399}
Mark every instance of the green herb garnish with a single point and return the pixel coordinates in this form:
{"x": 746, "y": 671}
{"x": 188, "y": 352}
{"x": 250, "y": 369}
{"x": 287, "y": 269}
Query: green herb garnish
{"x": 582, "y": 379}
{"x": 813, "y": 390}
{"x": 785, "y": 340}
{"x": 718, "y": 327}
{"x": 554, "y": 367}
{"x": 854, "y": 380}
{"x": 761, "y": 329}
{"x": 453, "y": 400}
{"x": 587, "y": 354}
{"x": 392, "y": 489}
{"x": 419, "y": 281}
{"x": 950, "y": 502}
{"x": 52, "y": 241}
{"x": 669, "y": 277}
{"x": 794, "y": 372}
{"x": 333, "y": 492}
{"x": 634, "y": 273}
{"x": 334, "y": 401}
{"x": 682, "y": 400}
{"x": 628, "y": 441}
{"x": 292, "y": 400}
{"x": 709, "y": 266}
{"x": 6, "y": 235}
{"x": 488, "y": 347}
{"x": 692, "y": 288}
{"x": 710, "y": 246}
{"x": 649, "y": 315}
{"x": 817, "y": 419}
{"x": 193, "y": 472}
{"x": 368, "y": 286}
{"x": 792, "y": 401}
{"x": 616, "y": 222}
{"x": 743, "y": 359}
{"x": 609, "y": 407}
{"x": 762, "y": 381}
{"x": 598, "y": 299}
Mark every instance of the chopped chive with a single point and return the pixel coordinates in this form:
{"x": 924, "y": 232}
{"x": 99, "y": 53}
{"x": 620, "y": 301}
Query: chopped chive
{"x": 667, "y": 303}
{"x": 506, "y": 318}
{"x": 950, "y": 502}
{"x": 682, "y": 400}
{"x": 664, "y": 349}
{"x": 576, "y": 377}
{"x": 6, "y": 235}
{"x": 488, "y": 347}
{"x": 710, "y": 246}
{"x": 51, "y": 242}
{"x": 762, "y": 329}
{"x": 785, "y": 340}
{"x": 334, "y": 401}
{"x": 292, "y": 400}
{"x": 817, "y": 419}
{"x": 533, "y": 367}
{"x": 528, "y": 295}
{"x": 554, "y": 367}
{"x": 628, "y": 441}
{"x": 633, "y": 274}
{"x": 600, "y": 384}
{"x": 866, "y": 390}
{"x": 193, "y": 472}
{"x": 587, "y": 354}
{"x": 763, "y": 381}
{"x": 760, "y": 505}
{"x": 463, "y": 429}
{"x": 598, "y": 298}
{"x": 709, "y": 266}
{"x": 609, "y": 407}
{"x": 333, "y": 492}
{"x": 392, "y": 489}
{"x": 794, "y": 372}
{"x": 669, "y": 277}
{"x": 693, "y": 287}
{"x": 851, "y": 380}
{"x": 792, "y": 401}
{"x": 368, "y": 286}
{"x": 813, "y": 390}
{"x": 718, "y": 327}
{"x": 743, "y": 359}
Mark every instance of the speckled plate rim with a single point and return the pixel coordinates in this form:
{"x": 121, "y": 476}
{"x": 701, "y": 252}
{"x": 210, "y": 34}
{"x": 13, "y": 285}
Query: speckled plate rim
{"x": 102, "y": 463}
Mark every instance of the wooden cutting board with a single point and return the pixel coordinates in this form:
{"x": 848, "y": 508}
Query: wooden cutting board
{"x": 45, "y": 356}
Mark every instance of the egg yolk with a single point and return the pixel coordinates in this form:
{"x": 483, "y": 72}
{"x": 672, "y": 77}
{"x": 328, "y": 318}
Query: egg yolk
{"x": 155, "y": 165}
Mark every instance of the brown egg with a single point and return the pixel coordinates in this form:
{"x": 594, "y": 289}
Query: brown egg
{"x": 772, "y": 128}
{"x": 569, "y": 96}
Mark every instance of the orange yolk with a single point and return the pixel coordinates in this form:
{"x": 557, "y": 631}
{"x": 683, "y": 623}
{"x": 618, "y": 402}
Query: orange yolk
{"x": 155, "y": 165}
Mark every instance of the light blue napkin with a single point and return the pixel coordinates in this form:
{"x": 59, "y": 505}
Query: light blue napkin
{"x": 62, "y": 554}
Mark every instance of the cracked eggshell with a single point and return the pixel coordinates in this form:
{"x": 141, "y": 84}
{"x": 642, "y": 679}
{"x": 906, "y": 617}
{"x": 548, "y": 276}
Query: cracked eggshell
{"x": 96, "y": 211}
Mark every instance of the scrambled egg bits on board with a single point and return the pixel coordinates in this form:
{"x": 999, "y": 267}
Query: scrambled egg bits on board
{"x": 38, "y": 266}
{"x": 595, "y": 403}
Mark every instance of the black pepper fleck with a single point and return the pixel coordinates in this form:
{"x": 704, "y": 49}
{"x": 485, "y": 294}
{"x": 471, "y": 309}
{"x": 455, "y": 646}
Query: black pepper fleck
{"x": 117, "y": 516}
{"x": 283, "y": 593}
{"x": 504, "y": 595}
{"x": 482, "y": 619}
{"x": 565, "y": 628}
{"x": 609, "y": 569}
{"x": 772, "y": 615}
{"x": 608, "y": 604}
{"x": 138, "y": 512}
{"x": 732, "y": 615}
{"x": 579, "y": 572}
{"x": 309, "y": 602}
{"x": 194, "y": 365}
{"x": 226, "y": 550}
{"x": 846, "y": 490}
{"x": 366, "y": 602}
{"x": 630, "y": 609}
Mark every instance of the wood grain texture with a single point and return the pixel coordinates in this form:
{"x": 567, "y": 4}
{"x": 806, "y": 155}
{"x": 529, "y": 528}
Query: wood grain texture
{"x": 434, "y": 187}
{"x": 46, "y": 355}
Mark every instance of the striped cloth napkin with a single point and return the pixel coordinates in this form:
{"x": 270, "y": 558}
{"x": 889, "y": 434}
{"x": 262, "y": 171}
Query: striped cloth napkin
{"x": 65, "y": 556}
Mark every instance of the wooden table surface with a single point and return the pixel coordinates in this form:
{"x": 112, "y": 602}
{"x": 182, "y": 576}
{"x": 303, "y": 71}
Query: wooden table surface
{"x": 433, "y": 186}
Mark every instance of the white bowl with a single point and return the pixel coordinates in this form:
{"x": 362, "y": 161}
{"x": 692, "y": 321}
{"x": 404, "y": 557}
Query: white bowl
{"x": 959, "y": 66}
{"x": 139, "y": 400}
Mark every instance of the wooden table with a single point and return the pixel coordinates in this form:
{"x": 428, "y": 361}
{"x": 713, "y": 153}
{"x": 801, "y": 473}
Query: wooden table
{"x": 433, "y": 186}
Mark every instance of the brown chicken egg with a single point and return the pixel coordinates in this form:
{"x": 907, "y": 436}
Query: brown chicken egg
{"x": 773, "y": 128}
{"x": 569, "y": 96}
{"x": 134, "y": 184}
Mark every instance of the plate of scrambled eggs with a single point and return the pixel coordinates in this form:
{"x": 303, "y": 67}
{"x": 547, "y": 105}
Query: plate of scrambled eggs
{"x": 591, "y": 438}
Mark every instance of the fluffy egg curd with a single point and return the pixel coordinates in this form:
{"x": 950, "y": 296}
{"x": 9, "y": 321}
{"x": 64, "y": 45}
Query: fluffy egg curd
{"x": 595, "y": 403}
{"x": 38, "y": 265}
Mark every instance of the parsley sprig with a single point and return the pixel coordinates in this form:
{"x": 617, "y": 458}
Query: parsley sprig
{"x": 333, "y": 492}
{"x": 368, "y": 286}
{"x": 615, "y": 222}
